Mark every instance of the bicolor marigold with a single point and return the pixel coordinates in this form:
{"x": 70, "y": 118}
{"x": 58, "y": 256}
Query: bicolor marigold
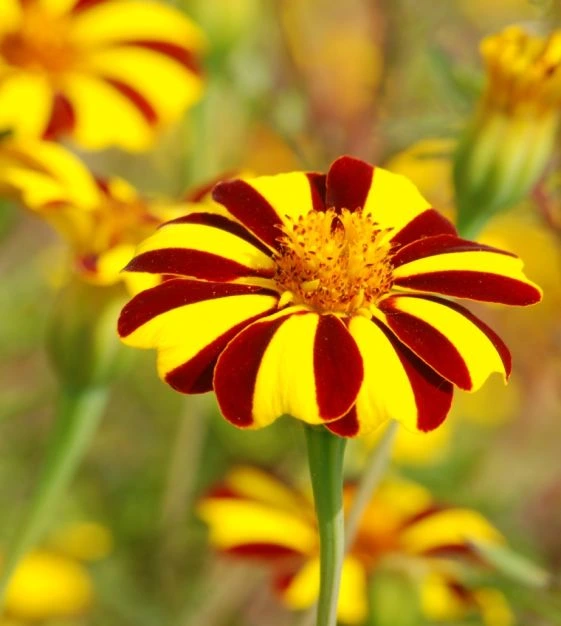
{"x": 254, "y": 516}
{"x": 325, "y": 297}
{"x": 100, "y": 71}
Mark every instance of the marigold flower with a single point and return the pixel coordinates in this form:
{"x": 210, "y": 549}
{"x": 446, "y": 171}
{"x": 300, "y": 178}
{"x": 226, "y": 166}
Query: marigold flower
{"x": 52, "y": 582}
{"x": 103, "y": 219}
{"x": 506, "y": 148}
{"x": 321, "y": 297}
{"x": 101, "y": 71}
{"x": 252, "y": 515}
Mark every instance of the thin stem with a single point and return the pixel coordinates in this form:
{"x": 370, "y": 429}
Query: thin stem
{"x": 373, "y": 473}
{"x": 78, "y": 415}
{"x": 325, "y": 457}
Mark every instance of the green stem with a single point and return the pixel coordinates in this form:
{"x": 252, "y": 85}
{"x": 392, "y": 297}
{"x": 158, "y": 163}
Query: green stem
{"x": 78, "y": 415}
{"x": 325, "y": 458}
{"x": 373, "y": 473}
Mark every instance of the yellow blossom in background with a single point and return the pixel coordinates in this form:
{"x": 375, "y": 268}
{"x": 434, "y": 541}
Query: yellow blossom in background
{"x": 428, "y": 163}
{"x": 104, "y": 72}
{"x": 510, "y": 140}
{"x": 102, "y": 220}
{"x": 254, "y": 516}
{"x": 53, "y": 582}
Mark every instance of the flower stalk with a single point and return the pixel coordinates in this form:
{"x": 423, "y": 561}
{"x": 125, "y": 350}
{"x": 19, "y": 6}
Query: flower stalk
{"x": 78, "y": 415}
{"x": 325, "y": 457}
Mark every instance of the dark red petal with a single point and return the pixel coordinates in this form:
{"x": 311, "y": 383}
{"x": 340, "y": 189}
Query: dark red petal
{"x": 427, "y": 224}
{"x": 348, "y": 183}
{"x": 262, "y": 552}
{"x": 474, "y": 286}
{"x": 440, "y": 244}
{"x": 63, "y": 118}
{"x": 338, "y": 367}
{"x": 236, "y": 371}
{"x": 147, "y": 111}
{"x": 318, "y": 188}
{"x": 433, "y": 394}
{"x": 248, "y": 206}
{"x": 184, "y": 56}
{"x": 220, "y": 221}
{"x": 195, "y": 376}
{"x": 347, "y": 426}
{"x": 193, "y": 263}
{"x": 172, "y": 294}
{"x": 429, "y": 344}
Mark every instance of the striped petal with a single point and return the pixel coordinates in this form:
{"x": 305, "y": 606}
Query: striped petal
{"x": 464, "y": 269}
{"x": 190, "y": 322}
{"x": 253, "y": 529}
{"x": 152, "y": 75}
{"x": 397, "y": 385}
{"x": 95, "y": 101}
{"x": 444, "y": 529}
{"x": 106, "y": 22}
{"x": 206, "y": 246}
{"x": 296, "y": 363}
{"x": 393, "y": 200}
{"x": 42, "y": 172}
{"x": 262, "y": 204}
{"x": 34, "y": 91}
{"x": 447, "y": 337}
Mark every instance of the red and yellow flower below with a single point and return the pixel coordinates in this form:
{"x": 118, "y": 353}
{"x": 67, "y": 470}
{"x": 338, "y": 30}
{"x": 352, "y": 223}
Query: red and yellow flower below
{"x": 101, "y": 71}
{"x": 254, "y": 516}
{"x": 321, "y": 296}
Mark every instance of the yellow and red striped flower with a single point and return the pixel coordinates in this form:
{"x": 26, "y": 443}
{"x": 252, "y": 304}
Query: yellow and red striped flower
{"x": 252, "y": 515}
{"x": 321, "y": 297}
{"x": 102, "y": 219}
{"x": 105, "y": 72}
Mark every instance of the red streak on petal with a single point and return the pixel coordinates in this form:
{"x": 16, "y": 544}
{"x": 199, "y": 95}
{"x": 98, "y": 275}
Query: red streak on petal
{"x": 263, "y": 551}
{"x": 84, "y": 5}
{"x": 237, "y": 368}
{"x": 338, "y": 368}
{"x": 182, "y": 55}
{"x": 427, "y": 224}
{"x": 139, "y": 101}
{"x": 62, "y": 120}
{"x": 474, "y": 286}
{"x": 348, "y": 183}
{"x": 347, "y": 426}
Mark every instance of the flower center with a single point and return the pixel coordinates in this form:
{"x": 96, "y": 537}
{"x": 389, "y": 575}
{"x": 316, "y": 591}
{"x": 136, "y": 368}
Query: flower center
{"x": 41, "y": 43}
{"x": 334, "y": 261}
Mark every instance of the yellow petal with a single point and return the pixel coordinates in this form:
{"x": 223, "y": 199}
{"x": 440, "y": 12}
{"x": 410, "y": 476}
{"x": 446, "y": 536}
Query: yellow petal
{"x": 446, "y": 528}
{"x": 26, "y": 102}
{"x": 135, "y": 20}
{"x": 10, "y": 15}
{"x": 152, "y": 75}
{"x": 104, "y": 116}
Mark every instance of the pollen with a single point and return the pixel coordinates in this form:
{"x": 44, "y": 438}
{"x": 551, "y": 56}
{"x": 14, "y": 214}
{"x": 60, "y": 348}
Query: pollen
{"x": 41, "y": 43}
{"x": 334, "y": 261}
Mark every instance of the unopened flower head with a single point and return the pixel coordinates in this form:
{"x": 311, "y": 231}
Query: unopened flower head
{"x": 321, "y": 296}
{"x": 507, "y": 146}
{"x": 101, "y": 71}
{"x": 254, "y": 516}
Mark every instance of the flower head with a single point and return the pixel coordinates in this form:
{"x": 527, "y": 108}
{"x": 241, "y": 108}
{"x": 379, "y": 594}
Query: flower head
{"x": 322, "y": 297}
{"x": 507, "y": 146}
{"x": 252, "y": 515}
{"x": 100, "y": 71}
{"x": 102, "y": 219}
{"x": 53, "y": 582}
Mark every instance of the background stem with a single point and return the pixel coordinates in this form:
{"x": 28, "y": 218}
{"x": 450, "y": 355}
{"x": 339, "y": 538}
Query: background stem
{"x": 79, "y": 412}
